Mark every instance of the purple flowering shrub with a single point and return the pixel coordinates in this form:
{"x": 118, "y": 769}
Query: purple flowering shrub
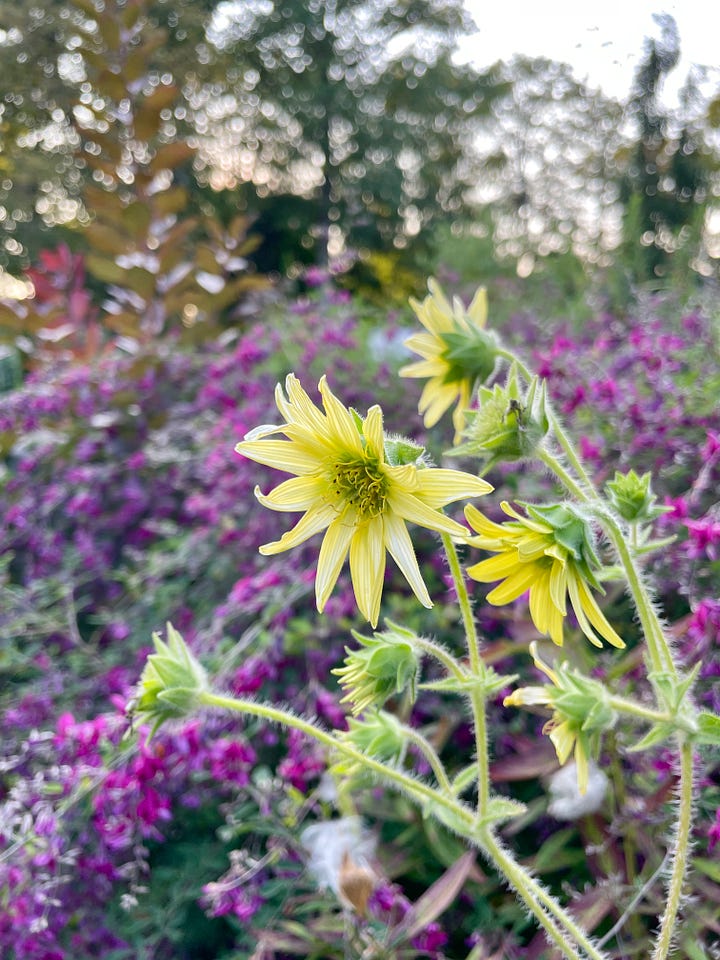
{"x": 123, "y": 506}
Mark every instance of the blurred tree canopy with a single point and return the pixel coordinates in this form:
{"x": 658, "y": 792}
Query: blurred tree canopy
{"x": 350, "y": 123}
{"x": 667, "y": 171}
{"x": 355, "y": 106}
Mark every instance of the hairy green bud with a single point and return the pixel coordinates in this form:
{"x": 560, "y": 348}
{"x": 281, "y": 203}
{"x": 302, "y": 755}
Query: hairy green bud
{"x": 170, "y": 683}
{"x": 509, "y": 424}
{"x": 632, "y": 497}
{"x": 386, "y": 664}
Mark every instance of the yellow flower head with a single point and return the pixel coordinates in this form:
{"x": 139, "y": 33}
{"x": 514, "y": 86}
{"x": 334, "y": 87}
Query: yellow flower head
{"x": 353, "y": 483}
{"x": 550, "y": 554}
{"x": 581, "y": 712}
{"x": 457, "y": 353}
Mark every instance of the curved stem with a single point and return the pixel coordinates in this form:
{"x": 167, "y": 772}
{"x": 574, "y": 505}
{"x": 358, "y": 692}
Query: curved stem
{"x": 680, "y": 854}
{"x": 477, "y": 669}
{"x": 432, "y": 758}
{"x": 638, "y": 710}
{"x": 543, "y": 906}
{"x": 442, "y": 656}
{"x": 562, "y": 474}
{"x": 411, "y": 785}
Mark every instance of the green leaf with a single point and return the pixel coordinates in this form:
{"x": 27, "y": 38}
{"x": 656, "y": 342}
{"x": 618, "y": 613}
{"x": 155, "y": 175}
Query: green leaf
{"x": 708, "y": 728}
{"x": 711, "y": 868}
{"x": 502, "y": 808}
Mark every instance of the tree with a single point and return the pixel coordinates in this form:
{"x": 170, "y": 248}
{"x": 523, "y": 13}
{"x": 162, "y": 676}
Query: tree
{"x": 355, "y": 103}
{"x": 546, "y": 183}
{"x": 666, "y": 171}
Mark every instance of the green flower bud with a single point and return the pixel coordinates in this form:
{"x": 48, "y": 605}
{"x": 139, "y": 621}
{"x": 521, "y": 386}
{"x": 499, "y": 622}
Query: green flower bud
{"x": 386, "y": 664}
{"x": 170, "y": 683}
{"x": 632, "y": 497}
{"x": 378, "y": 734}
{"x": 508, "y": 425}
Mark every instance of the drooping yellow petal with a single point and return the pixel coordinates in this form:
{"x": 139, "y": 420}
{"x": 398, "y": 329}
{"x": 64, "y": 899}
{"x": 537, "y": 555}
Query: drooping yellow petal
{"x": 312, "y": 522}
{"x": 563, "y": 738}
{"x": 513, "y": 587}
{"x": 494, "y": 568}
{"x": 435, "y": 399}
{"x": 400, "y": 548}
{"x": 367, "y": 567}
{"x": 293, "y": 496}
{"x": 586, "y": 609}
{"x": 333, "y": 552}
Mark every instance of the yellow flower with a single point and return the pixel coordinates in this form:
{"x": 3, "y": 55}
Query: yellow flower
{"x": 457, "y": 352}
{"x": 351, "y": 482}
{"x": 550, "y": 554}
{"x": 581, "y": 712}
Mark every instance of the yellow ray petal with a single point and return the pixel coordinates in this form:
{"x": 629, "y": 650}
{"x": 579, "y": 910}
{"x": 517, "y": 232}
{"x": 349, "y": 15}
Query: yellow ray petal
{"x": 435, "y": 399}
{"x": 340, "y": 420}
{"x": 480, "y": 523}
{"x": 373, "y": 432}
{"x": 400, "y": 548}
{"x": 367, "y": 567}
{"x": 513, "y": 587}
{"x": 440, "y": 487}
{"x": 307, "y": 526}
{"x": 558, "y": 585}
{"x": 477, "y": 311}
{"x": 333, "y": 552}
{"x": 426, "y": 345}
{"x": 280, "y": 454}
{"x": 293, "y": 496}
{"x": 597, "y": 618}
{"x": 494, "y": 568}
{"x": 413, "y": 509}
{"x": 301, "y": 408}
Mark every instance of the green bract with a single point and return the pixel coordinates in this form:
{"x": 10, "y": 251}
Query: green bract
{"x": 632, "y": 497}
{"x": 508, "y": 425}
{"x": 171, "y": 683}
{"x": 379, "y": 735}
{"x": 386, "y": 664}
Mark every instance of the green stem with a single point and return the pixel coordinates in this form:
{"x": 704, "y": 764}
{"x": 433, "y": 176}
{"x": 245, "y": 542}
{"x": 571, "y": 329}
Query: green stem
{"x": 432, "y": 757}
{"x": 265, "y": 711}
{"x": 477, "y": 669}
{"x": 442, "y": 656}
{"x": 680, "y": 854}
{"x": 562, "y": 474}
{"x": 638, "y": 710}
{"x": 658, "y": 648}
{"x": 477, "y": 666}
{"x": 536, "y": 898}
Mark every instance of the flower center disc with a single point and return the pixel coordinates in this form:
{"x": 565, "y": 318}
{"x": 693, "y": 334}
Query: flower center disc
{"x": 360, "y": 484}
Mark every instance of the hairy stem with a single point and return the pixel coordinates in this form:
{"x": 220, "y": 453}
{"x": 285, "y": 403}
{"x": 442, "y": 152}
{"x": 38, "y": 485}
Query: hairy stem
{"x": 477, "y": 669}
{"x": 432, "y": 758}
{"x": 543, "y": 906}
{"x": 679, "y": 854}
{"x": 265, "y": 711}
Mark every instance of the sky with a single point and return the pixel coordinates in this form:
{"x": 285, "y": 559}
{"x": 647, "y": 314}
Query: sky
{"x": 603, "y": 41}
